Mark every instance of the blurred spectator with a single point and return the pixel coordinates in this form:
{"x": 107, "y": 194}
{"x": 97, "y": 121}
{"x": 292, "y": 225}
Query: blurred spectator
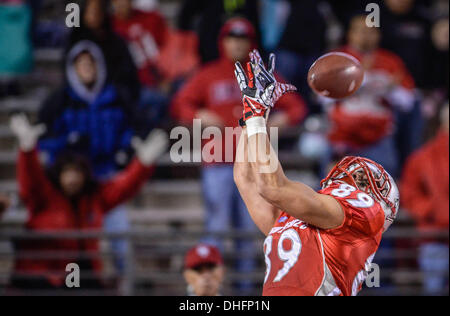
{"x": 69, "y": 198}
{"x": 96, "y": 27}
{"x": 440, "y": 37}
{"x": 346, "y": 10}
{"x": 438, "y": 68}
{"x": 15, "y": 44}
{"x": 163, "y": 55}
{"x": 406, "y": 30}
{"x": 145, "y": 33}
{"x": 179, "y": 57}
{"x": 213, "y": 96}
{"x": 302, "y": 42}
{"x": 363, "y": 124}
{"x": 425, "y": 195}
{"x": 91, "y": 115}
{"x": 88, "y": 113}
{"x": 206, "y": 18}
{"x": 204, "y": 271}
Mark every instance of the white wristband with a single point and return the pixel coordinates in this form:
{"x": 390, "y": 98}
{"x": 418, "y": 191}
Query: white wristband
{"x": 256, "y": 125}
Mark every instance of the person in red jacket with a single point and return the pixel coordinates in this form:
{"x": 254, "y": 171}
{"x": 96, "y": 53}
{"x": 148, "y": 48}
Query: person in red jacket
{"x": 146, "y": 33}
{"x": 363, "y": 124}
{"x": 68, "y": 198}
{"x": 425, "y": 192}
{"x": 213, "y": 96}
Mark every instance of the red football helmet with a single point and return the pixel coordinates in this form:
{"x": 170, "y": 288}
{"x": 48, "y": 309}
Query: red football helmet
{"x": 371, "y": 178}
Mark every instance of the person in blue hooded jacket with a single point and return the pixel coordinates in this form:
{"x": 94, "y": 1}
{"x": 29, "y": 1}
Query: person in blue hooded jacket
{"x": 88, "y": 114}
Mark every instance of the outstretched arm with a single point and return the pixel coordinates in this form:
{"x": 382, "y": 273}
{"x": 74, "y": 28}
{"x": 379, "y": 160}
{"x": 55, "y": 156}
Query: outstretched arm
{"x": 263, "y": 213}
{"x": 260, "y": 92}
{"x": 295, "y": 198}
{"x": 126, "y": 184}
{"x": 34, "y": 186}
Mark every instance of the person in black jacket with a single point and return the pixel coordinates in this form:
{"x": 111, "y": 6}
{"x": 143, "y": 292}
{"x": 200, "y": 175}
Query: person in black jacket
{"x": 302, "y": 42}
{"x": 206, "y": 17}
{"x": 406, "y": 28}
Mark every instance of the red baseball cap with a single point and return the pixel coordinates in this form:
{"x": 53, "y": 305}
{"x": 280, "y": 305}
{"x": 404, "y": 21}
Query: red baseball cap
{"x": 202, "y": 254}
{"x": 239, "y": 27}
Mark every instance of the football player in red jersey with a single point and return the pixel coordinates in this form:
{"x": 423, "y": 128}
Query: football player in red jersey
{"x": 318, "y": 243}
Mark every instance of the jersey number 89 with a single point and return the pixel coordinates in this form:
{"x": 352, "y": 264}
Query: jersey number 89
{"x": 362, "y": 200}
{"x": 289, "y": 257}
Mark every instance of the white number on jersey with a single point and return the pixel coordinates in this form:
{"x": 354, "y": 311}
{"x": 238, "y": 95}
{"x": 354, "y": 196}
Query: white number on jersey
{"x": 289, "y": 257}
{"x": 363, "y": 199}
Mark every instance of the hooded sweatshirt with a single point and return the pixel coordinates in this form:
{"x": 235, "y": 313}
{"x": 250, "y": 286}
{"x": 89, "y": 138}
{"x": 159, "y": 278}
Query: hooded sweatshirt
{"x": 96, "y": 122}
{"x": 119, "y": 64}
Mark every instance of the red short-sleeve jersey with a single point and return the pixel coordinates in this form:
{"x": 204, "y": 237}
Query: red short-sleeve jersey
{"x": 304, "y": 260}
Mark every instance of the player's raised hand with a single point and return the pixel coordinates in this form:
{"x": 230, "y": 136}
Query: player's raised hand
{"x": 151, "y": 148}
{"x": 256, "y": 101}
{"x": 26, "y": 133}
{"x": 265, "y": 79}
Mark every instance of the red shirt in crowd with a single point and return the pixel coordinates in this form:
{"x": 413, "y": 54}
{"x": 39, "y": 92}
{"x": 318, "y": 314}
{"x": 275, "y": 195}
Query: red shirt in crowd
{"x": 367, "y": 117}
{"x": 50, "y": 211}
{"x": 145, "y": 33}
{"x": 215, "y": 88}
{"x": 425, "y": 184}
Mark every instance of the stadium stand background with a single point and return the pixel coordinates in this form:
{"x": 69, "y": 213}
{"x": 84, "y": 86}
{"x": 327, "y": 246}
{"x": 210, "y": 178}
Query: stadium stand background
{"x": 168, "y": 214}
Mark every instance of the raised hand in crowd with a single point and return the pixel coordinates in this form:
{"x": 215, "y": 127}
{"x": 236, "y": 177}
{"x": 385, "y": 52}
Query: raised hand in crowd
{"x": 151, "y": 148}
{"x": 27, "y": 134}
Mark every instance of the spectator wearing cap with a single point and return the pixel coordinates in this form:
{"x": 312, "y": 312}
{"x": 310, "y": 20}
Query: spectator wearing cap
{"x": 213, "y": 96}
{"x": 206, "y": 18}
{"x": 204, "y": 270}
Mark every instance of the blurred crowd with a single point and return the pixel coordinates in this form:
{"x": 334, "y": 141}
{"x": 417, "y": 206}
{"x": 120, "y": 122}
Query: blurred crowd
{"x": 128, "y": 71}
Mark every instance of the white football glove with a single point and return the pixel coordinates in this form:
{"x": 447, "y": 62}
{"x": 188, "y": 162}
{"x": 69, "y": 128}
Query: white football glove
{"x": 150, "y": 149}
{"x": 259, "y": 87}
{"x": 265, "y": 79}
{"x": 26, "y": 134}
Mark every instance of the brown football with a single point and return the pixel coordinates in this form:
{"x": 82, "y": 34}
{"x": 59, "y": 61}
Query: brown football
{"x": 336, "y": 75}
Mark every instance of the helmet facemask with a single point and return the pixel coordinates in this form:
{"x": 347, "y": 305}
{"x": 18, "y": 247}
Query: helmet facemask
{"x": 369, "y": 177}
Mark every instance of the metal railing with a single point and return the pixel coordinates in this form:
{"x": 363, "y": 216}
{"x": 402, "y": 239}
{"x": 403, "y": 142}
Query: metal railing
{"x": 153, "y": 262}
